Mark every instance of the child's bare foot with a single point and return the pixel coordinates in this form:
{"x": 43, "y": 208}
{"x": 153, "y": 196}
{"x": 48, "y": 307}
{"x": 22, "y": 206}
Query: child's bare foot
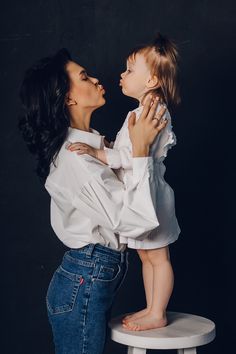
{"x": 135, "y": 315}
{"x": 150, "y": 321}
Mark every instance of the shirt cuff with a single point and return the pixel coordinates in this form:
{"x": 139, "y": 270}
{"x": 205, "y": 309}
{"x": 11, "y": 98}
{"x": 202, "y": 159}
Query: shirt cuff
{"x": 141, "y": 167}
{"x": 113, "y": 158}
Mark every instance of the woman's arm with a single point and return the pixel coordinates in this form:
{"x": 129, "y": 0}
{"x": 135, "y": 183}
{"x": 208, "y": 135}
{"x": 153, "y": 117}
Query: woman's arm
{"x": 94, "y": 190}
{"x": 103, "y": 198}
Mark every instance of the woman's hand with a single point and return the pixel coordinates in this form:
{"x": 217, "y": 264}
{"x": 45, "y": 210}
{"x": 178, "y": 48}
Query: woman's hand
{"x": 82, "y": 148}
{"x": 144, "y": 131}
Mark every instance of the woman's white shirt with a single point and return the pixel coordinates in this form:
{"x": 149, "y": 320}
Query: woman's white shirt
{"x": 89, "y": 204}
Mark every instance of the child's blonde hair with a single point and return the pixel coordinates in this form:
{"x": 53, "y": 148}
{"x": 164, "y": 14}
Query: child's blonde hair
{"x": 162, "y": 59}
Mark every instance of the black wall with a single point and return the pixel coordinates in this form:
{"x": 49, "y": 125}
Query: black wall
{"x": 200, "y": 168}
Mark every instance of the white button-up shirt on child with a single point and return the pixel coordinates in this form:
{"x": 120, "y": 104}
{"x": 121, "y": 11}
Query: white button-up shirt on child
{"x": 120, "y": 159}
{"x": 89, "y": 204}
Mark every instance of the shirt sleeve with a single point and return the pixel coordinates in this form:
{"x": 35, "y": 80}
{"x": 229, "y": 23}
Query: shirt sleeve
{"x": 104, "y": 199}
{"x": 121, "y": 158}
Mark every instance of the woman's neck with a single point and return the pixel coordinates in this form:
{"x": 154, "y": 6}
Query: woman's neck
{"x": 80, "y": 120}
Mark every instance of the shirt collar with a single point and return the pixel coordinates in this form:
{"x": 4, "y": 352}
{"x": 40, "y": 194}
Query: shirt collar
{"x": 138, "y": 109}
{"x": 92, "y": 138}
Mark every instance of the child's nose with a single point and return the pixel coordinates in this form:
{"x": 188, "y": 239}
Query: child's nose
{"x": 122, "y": 75}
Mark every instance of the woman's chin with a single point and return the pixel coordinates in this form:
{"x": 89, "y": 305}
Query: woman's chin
{"x": 101, "y": 103}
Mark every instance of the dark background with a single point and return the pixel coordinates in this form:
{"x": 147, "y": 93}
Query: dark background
{"x": 200, "y": 168}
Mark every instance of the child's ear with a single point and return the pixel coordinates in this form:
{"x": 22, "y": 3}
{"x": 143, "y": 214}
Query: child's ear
{"x": 153, "y": 82}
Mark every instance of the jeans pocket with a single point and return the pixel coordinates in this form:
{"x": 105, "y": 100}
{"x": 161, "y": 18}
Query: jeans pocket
{"x": 108, "y": 274}
{"x": 62, "y": 291}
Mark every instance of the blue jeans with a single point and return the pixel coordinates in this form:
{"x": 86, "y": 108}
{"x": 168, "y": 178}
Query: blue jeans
{"x": 80, "y": 295}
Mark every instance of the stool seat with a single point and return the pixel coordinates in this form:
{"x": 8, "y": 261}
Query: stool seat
{"x": 183, "y": 331}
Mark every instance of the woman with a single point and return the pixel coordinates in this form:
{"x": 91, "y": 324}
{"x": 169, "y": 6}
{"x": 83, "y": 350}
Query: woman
{"x": 90, "y": 208}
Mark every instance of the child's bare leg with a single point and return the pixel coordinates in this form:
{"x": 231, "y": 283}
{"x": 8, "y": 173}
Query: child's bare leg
{"x": 147, "y": 271}
{"x": 163, "y": 278}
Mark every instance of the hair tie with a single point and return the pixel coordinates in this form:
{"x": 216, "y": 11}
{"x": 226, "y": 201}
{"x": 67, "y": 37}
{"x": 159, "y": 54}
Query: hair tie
{"x": 161, "y": 49}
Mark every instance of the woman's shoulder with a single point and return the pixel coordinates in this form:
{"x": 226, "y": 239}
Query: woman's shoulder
{"x": 71, "y": 170}
{"x": 63, "y": 167}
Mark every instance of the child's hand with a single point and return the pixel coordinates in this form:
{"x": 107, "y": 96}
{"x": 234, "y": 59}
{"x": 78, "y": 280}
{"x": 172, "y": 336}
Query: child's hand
{"x": 82, "y": 148}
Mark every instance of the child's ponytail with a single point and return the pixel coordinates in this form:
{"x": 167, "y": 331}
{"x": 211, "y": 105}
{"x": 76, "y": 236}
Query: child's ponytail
{"x": 166, "y": 67}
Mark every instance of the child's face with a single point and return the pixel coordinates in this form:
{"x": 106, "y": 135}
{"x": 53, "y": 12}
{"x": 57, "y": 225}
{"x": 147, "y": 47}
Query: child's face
{"x": 134, "y": 81}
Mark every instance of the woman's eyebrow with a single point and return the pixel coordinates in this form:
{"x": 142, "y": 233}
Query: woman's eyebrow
{"x": 83, "y": 72}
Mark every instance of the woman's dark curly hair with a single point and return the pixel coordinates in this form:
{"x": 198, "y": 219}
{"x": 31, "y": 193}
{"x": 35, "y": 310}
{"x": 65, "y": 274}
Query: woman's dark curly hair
{"x": 45, "y": 119}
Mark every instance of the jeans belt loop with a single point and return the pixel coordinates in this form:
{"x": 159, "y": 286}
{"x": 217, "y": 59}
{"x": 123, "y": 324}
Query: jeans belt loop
{"x": 90, "y": 250}
{"x": 123, "y": 254}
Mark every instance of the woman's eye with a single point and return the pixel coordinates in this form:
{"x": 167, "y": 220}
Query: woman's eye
{"x": 85, "y": 78}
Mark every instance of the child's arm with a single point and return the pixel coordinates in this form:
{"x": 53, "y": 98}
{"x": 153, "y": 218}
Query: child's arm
{"x": 83, "y": 148}
{"x": 112, "y": 157}
{"x": 121, "y": 158}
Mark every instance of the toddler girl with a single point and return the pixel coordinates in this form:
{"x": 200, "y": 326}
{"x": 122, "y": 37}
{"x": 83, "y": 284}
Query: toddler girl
{"x": 151, "y": 69}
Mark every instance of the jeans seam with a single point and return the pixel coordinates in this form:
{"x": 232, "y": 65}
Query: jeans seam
{"x": 81, "y": 262}
{"x": 84, "y": 311}
{"x": 124, "y": 275}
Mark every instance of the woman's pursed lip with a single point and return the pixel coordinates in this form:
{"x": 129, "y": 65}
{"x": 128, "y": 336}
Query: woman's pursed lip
{"x": 101, "y": 88}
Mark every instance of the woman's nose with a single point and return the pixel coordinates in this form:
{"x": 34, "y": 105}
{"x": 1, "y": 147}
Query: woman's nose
{"x": 94, "y": 80}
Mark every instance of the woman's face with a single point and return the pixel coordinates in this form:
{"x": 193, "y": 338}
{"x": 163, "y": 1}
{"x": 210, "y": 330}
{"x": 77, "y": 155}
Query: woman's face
{"x": 85, "y": 91}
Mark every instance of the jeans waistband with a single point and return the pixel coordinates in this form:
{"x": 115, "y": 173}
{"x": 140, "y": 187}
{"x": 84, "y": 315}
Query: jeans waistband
{"x": 95, "y": 249}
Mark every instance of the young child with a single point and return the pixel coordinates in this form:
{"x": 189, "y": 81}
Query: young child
{"x": 151, "y": 69}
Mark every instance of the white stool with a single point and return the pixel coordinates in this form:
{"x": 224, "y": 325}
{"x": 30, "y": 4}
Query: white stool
{"x": 184, "y": 332}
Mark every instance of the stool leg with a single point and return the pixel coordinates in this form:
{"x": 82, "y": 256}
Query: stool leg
{"x": 132, "y": 350}
{"x": 187, "y": 351}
